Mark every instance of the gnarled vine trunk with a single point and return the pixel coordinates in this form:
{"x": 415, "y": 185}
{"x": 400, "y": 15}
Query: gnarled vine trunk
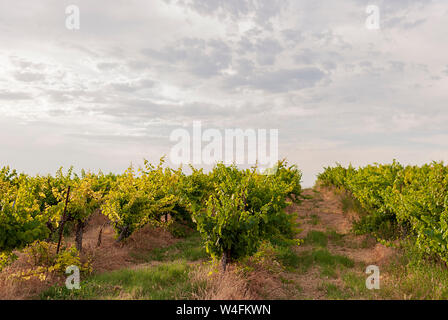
{"x": 225, "y": 259}
{"x": 124, "y": 233}
{"x": 52, "y": 230}
{"x": 98, "y": 243}
{"x": 79, "y": 233}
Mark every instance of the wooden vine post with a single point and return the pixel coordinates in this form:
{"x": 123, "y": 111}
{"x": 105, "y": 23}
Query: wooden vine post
{"x": 61, "y": 227}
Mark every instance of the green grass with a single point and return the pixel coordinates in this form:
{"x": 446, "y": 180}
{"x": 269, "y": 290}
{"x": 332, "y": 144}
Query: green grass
{"x": 288, "y": 258}
{"x": 286, "y": 281}
{"x": 293, "y": 289}
{"x": 316, "y": 238}
{"x": 336, "y": 238}
{"x": 314, "y": 220}
{"x": 305, "y": 261}
{"x": 328, "y": 272}
{"x": 409, "y": 276}
{"x": 318, "y": 195}
{"x": 334, "y": 292}
{"x": 325, "y": 260}
{"x": 415, "y": 276}
{"x": 356, "y": 284}
{"x": 190, "y": 249}
{"x": 349, "y": 203}
{"x": 163, "y": 282}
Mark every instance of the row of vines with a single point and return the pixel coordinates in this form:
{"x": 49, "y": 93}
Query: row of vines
{"x": 234, "y": 210}
{"x": 399, "y": 200}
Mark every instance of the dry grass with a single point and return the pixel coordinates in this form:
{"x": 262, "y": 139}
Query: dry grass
{"x": 112, "y": 255}
{"x": 13, "y": 287}
{"x": 222, "y": 286}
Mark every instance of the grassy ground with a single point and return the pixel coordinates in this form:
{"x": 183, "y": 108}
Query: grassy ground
{"x": 164, "y": 274}
{"x": 169, "y": 280}
{"x": 332, "y": 261}
{"x": 189, "y": 248}
{"x": 407, "y": 274}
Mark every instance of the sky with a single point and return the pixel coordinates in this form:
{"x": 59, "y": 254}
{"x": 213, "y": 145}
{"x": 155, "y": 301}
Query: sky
{"x": 112, "y": 92}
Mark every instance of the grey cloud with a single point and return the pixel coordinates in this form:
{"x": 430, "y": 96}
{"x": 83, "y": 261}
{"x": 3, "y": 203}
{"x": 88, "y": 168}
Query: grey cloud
{"x": 29, "y": 76}
{"x": 306, "y": 56}
{"x": 413, "y": 24}
{"x": 124, "y": 86}
{"x": 234, "y": 8}
{"x": 133, "y": 86}
{"x": 331, "y": 38}
{"x": 106, "y": 66}
{"x": 138, "y": 112}
{"x": 366, "y": 64}
{"x": 264, "y": 10}
{"x": 402, "y": 22}
{"x": 280, "y": 80}
{"x": 26, "y": 64}
{"x": 267, "y": 51}
{"x": 78, "y": 95}
{"x": 245, "y": 45}
{"x": 9, "y": 95}
{"x": 59, "y": 95}
{"x": 142, "y": 110}
{"x": 328, "y": 60}
{"x": 292, "y": 35}
{"x": 398, "y": 4}
{"x": 202, "y": 58}
{"x": 245, "y": 67}
{"x": 397, "y": 66}
{"x": 445, "y": 71}
{"x": 113, "y": 138}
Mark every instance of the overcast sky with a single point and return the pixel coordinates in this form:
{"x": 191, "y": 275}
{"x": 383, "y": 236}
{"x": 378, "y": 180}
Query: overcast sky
{"x": 112, "y": 92}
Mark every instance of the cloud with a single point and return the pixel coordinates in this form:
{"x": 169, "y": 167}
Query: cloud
{"x": 262, "y": 10}
{"x": 267, "y": 51}
{"x": 200, "y": 57}
{"x": 132, "y": 86}
{"x": 114, "y": 90}
{"x": 434, "y": 140}
{"x": 8, "y": 95}
{"x": 107, "y": 66}
{"x": 29, "y": 76}
{"x": 282, "y": 80}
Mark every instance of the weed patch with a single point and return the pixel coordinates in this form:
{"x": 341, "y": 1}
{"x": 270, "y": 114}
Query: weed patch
{"x": 162, "y": 282}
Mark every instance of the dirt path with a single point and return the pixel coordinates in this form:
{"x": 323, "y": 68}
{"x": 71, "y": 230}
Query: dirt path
{"x": 327, "y": 228}
{"x": 328, "y": 208}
